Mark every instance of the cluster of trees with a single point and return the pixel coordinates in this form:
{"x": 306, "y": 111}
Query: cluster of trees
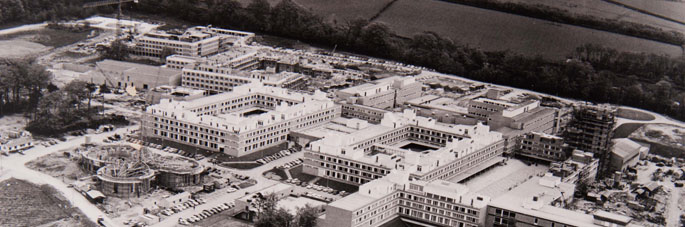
{"x": 270, "y": 216}
{"x": 69, "y": 109}
{"x": 21, "y": 85}
{"x": 592, "y": 73}
{"x": 30, "y": 11}
{"x": 563, "y": 16}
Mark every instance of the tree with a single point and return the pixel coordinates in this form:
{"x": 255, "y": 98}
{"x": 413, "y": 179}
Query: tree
{"x": 118, "y": 50}
{"x": 306, "y": 216}
{"x": 259, "y": 12}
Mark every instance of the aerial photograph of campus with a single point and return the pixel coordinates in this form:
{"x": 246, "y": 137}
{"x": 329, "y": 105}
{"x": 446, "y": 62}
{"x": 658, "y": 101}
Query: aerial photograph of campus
{"x": 342, "y": 113}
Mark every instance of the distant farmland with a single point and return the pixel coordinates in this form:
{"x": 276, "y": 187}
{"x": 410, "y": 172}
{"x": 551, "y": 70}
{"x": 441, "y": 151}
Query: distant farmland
{"x": 609, "y": 11}
{"x": 495, "y": 31}
{"x": 339, "y": 10}
{"x": 344, "y": 10}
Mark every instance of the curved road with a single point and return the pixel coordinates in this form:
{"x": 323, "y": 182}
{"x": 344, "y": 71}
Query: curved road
{"x": 14, "y": 166}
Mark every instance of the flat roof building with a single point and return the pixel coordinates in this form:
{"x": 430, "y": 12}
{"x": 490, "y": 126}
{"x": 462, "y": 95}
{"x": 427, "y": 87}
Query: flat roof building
{"x": 625, "y": 153}
{"x": 355, "y": 152}
{"x": 197, "y": 41}
{"x": 398, "y": 195}
{"x": 383, "y": 93}
{"x": 252, "y": 117}
{"x": 543, "y": 146}
{"x": 537, "y": 202}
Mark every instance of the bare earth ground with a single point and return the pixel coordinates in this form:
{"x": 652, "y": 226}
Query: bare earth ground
{"x": 496, "y": 31}
{"x": 26, "y": 204}
{"x": 58, "y": 165}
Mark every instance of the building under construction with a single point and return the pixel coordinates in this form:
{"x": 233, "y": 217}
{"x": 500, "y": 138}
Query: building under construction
{"x": 174, "y": 172}
{"x": 124, "y": 171}
{"x": 125, "y": 179}
{"x": 591, "y": 130}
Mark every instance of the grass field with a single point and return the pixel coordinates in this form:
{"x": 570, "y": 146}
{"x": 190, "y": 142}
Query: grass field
{"x": 635, "y": 115}
{"x": 605, "y": 10}
{"x": 342, "y": 11}
{"x": 496, "y": 31}
{"x": 49, "y": 37}
{"x": 26, "y": 204}
{"x": 671, "y": 9}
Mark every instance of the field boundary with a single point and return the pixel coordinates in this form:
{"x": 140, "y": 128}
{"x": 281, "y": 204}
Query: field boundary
{"x": 645, "y": 11}
{"x": 556, "y": 15}
{"x": 382, "y": 10}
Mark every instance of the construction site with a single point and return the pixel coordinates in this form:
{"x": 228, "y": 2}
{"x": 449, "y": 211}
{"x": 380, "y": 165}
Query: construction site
{"x": 125, "y": 171}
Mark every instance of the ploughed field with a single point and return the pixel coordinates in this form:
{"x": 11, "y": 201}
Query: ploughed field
{"x": 26, "y": 204}
{"x": 496, "y": 31}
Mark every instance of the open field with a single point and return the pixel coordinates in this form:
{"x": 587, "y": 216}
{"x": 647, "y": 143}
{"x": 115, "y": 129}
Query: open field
{"x": 606, "y": 10}
{"x": 19, "y": 48}
{"x": 342, "y": 11}
{"x": 496, "y": 31}
{"x": 48, "y": 37}
{"x": 26, "y": 204}
{"x": 670, "y": 9}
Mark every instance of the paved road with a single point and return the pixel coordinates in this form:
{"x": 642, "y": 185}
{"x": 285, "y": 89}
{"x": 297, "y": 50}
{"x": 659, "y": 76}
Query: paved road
{"x": 14, "y": 166}
{"x": 220, "y": 196}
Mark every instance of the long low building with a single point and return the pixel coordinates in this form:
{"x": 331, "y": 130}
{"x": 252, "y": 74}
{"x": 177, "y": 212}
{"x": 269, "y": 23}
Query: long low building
{"x": 355, "y": 152}
{"x": 397, "y": 195}
{"x": 250, "y": 118}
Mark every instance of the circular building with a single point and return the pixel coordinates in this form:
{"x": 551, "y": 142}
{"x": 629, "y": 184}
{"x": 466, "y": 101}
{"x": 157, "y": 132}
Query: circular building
{"x": 174, "y": 172}
{"x": 125, "y": 179}
{"x": 94, "y": 158}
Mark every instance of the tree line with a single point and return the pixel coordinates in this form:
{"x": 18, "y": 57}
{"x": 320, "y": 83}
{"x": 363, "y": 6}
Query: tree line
{"x": 592, "y": 72}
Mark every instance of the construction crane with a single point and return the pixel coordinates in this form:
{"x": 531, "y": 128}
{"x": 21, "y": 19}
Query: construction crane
{"x": 111, "y": 2}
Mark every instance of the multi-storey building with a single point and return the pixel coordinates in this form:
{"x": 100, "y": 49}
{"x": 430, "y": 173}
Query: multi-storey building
{"x": 222, "y": 72}
{"x": 195, "y": 42}
{"x": 539, "y": 202}
{"x": 250, "y": 118}
{"x": 367, "y": 113}
{"x": 591, "y": 130}
{"x": 582, "y": 166}
{"x": 355, "y": 152}
{"x": 384, "y": 93}
{"x": 543, "y": 147}
{"x": 397, "y": 195}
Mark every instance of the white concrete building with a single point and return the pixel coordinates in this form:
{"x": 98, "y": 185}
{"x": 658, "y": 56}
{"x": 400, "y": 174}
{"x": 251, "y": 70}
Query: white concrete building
{"x": 397, "y": 195}
{"x": 383, "y": 93}
{"x": 355, "y": 152}
{"x": 197, "y": 41}
{"x": 250, "y": 118}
